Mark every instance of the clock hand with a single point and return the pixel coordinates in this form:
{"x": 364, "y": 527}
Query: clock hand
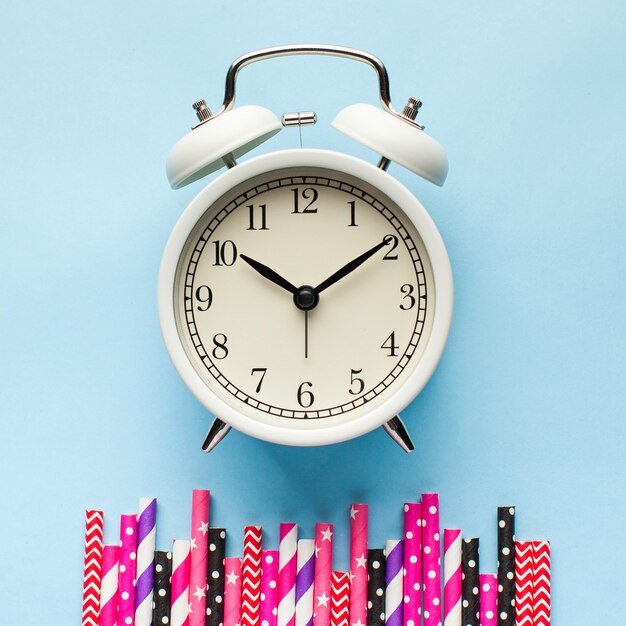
{"x": 270, "y": 274}
{"x": 351, "y": 266}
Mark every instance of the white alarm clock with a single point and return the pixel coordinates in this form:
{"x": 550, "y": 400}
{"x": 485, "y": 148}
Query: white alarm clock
{"x": 305, "y": 296}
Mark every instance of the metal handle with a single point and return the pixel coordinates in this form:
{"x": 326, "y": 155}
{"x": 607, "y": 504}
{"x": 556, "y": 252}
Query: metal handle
{"x": 317, "y": 49}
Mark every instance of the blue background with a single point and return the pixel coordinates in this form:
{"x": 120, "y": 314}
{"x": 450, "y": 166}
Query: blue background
{"x": 527, "y": 406}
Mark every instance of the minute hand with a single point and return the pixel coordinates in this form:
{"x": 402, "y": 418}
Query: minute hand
{"x": 351, "y": 266}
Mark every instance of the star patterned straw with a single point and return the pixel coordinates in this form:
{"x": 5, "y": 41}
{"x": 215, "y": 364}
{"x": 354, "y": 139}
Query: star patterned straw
{"x": 232, "y": 591}
{"x": 452, "y": 577}
{"x": 92, "y": 574}
{"x": 305, "y": 575}
{"x": 376, "y": 587}
{"x": 288, "y": 547}
{"x": 251, "y": 576}
{"x": 198, "y": 558}
{"x": 269, "y": 587}
{"x": 412, "y": 563}
{"x": 394, "y": 582}
{"x": 358, "y": 564}
{"x": 108, "y": 598}
{"x": 127, "y": 570}
{"x": 340, "y": 599}
{"x": 470, "y": 608}
{"x": 146, "y": 537}
{"x": 162, "y": 588}
{"x": 488, "y": 599}
{"x": 215, "y": 577}
{"x": 180, "y": 582}
{"x": 431, "y": 559}
{"x": 506, "y": 565}
{"x": 323, "y": 571}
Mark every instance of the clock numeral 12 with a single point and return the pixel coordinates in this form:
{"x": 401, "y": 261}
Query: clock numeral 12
{"x": 263, "y": 210}
{"x": 305, "y": 397}
{"x": 225, "y": 253}
{"x": 391, "y": 345}
{"x": 308, "y": 193}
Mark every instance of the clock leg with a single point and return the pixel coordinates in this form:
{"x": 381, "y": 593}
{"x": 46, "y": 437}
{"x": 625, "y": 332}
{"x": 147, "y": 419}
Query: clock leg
{"x": 216, "y": 433}
{"x": 396, "y": 429}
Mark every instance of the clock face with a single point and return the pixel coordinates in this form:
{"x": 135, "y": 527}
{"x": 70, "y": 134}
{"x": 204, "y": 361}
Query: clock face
{"x": 304, "y": 296}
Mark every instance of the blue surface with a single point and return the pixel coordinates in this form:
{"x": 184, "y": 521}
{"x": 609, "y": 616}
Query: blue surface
{"x": 528, "y": 404}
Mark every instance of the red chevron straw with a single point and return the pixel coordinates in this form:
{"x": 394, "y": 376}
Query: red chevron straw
{"x": 251, "y": 576}
{"x": 340, "y": 599}
{"x": 541, "y": 583}
{"x": 92, "y": 578}
{"x": 524, "y": 578}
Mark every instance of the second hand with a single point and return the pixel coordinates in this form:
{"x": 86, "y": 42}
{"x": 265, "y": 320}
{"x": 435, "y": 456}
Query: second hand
{"x": 306, "y": 334}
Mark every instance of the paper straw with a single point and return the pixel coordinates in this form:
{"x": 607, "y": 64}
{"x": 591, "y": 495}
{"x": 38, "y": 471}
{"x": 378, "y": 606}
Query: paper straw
{"x": 198, "y": 557}
{"x": 524, "y": 582}
{"x": 232, "y": 591}
{"x": 92, "y": 572}
{"x": 394, "y": 579}
{"x": 127, "y": 570}
{"x": 161, "y": 613}
{"x": 506, "y": 565}
{"x": 376, "y": 587}
{"x": 305, "y": 575}
{"x": 340, "y": 599}
{"x": 471, "y": 586}
{"x": 412, "y": 563}
{"x": 180, "y": 582}
{"x": 358, "y": 564}
{"x": 488, "y": 599}
{"x": 251, "y": 576}
{"x": 108, "y": 597}
{"x": 541, "y": 585}
{"x": 323, "y": 571}
{"x": 288, "y": 548}
{"x": 215, "y": 577}
{"x": 452, "y": 577}
{"x": 431, "y": 559}
{"x": 146, "y": 537}
{"x": 269, "y": 587}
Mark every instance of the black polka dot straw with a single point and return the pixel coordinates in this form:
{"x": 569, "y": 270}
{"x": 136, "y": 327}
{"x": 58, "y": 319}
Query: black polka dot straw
{"x": 506, "y": 565}
{"x": 376, "y": 587}
{"x": 162, "y": 588}
{"x": 215, "y": 577}
{"x": 470, "y": 599}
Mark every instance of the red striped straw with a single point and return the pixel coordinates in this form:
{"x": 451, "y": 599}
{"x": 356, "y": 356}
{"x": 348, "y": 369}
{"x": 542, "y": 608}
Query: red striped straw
{"x": 92, "y": 575}
{"x": 251, "y": 576}
{"x": 358, "y": 564}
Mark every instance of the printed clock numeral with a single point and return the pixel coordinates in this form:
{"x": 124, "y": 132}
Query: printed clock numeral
{"x": 220, "y": 351}
{"x": 225, "y": 253}
{"x": 261, "y": 212}
{"x": 305, "y": 397}
{"x": 262, "y": 371}
{"x": 391, "y": 345}
{"x": 308, "y": 194}
{"x": 356, "y": 384}
{"x": 389, "y": 256}
{"x": 408, "y": 298}
{"x": 204, "y": 296}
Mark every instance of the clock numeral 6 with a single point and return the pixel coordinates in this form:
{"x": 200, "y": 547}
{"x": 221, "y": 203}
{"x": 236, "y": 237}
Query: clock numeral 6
{"x": 225, "y": 253}
{"x": 220, "y": 351}
{"x": 204, "y": 296}
{"x": 308, "y": 193}
{"x": 262, "y": 371}
{"x": 355, "y": 380}
{"x": 389, "y": 256}
{"x": 391, "y": 345}
{"x": 305, "y": 397}
{"x": 408, "y": 291}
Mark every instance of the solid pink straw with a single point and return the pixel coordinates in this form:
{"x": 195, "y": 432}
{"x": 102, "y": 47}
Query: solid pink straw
{"x": 323, "y": 570}
{"x": 180, "y": 582}
{"x": 358, "y": 563}
{"x": 412, "y": 563}
{"x": 232, "y": 591}
{"x": 488, "y": 599}
{"x": 269, "y": 587}
{"x": 127, "y": 570}
{"x": 431, "y": 559}
{"x": 199, "y": 554}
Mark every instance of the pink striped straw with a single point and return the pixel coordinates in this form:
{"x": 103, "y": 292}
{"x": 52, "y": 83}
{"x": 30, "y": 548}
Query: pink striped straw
{"x": 452, "y": 577}
{"x": 180, "y": 582}
{"x": 358, "y": 564}
{"x": 199, "y": 555}
{"x": 269, "y": 587}
{"x": 431, "y": 559}
{"x": 488, "y": 599}
{"x": 412, "y": 563}
{"x": 323, "y": 570}
{"x": 232, "y": 591}
{"x": 108, "y": 598}
{"x": 127, "y": 570}
{"x": 288, "y": 548}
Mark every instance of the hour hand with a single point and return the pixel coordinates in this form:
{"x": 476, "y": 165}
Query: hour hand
{"x": 270, "y": 274}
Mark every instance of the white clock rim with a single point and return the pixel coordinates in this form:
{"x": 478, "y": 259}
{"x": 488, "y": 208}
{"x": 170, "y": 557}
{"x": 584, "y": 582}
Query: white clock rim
{"x": 308, "y": 432}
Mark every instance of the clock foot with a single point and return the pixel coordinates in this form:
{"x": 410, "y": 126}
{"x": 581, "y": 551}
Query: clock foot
{"x": 396, "y": 429}
{"x": 216, "y": 433}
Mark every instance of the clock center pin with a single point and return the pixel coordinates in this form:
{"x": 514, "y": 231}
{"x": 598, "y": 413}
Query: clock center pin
{"x": 306, "y": 298}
